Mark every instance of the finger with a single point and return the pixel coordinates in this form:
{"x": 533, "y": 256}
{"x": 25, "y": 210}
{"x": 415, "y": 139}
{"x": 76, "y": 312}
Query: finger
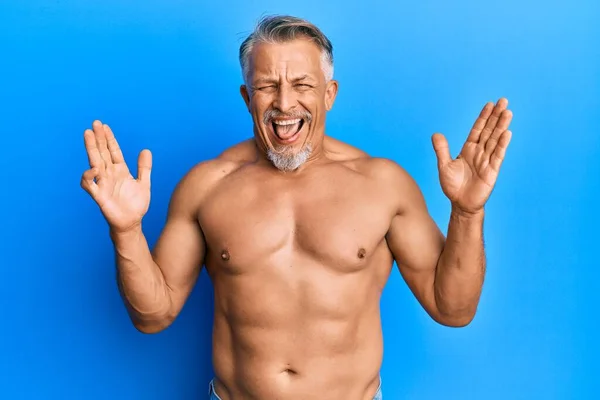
{"x": 480, "y": 122}
{"x": 94, "y": 157}
{"x": 101, "y": 142}
{"x": 492, "y": 121}
{"x": 145, "y": 167}
{"x": 499, "y": 153}
{"x": 87, "y": 181}
{"x": 441, "y": 148}
{"x": 113, "y": 146}
{"x": 501, "y": 127}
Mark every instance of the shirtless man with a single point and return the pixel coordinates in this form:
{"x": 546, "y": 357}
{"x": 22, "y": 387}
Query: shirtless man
{"x": 298, "y": 232}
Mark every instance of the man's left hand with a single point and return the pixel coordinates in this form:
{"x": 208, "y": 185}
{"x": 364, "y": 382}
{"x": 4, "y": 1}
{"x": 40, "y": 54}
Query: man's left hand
{"x": 468, "y": 180}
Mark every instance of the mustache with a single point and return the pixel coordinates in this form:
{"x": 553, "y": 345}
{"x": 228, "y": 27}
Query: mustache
{"x": 270, "y": 114}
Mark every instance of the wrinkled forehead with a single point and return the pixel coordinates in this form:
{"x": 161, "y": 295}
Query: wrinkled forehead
{"x": 286, "y": 61}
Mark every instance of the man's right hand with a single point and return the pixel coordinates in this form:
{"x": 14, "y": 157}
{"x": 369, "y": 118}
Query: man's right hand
{"x": 123, "y": 199}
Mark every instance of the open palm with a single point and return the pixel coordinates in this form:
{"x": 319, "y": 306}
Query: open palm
{"x": 468, "y": 180}
{"x": 122, "y": 199}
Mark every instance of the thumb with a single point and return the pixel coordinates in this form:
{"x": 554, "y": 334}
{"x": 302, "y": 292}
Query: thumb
{"x": 441, "y": 148}
{"x": 144, "y": 166}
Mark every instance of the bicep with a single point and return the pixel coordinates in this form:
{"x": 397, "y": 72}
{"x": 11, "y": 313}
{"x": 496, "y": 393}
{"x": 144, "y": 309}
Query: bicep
{"x": 179, "y": 253}
{"x": 180, "y": 249}
{"x": 416, "y": 243}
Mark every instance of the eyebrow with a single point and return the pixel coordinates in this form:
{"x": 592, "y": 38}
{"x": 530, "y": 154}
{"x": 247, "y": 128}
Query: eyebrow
{"x": 263, "y": 81}
{"x": 301, "y": 78}
{"x": 271, "y": 80}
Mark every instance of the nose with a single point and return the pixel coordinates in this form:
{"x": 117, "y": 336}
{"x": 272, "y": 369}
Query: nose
{"x": 285, "y": 99}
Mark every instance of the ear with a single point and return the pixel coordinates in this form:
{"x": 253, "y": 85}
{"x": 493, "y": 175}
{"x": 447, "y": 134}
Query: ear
{"x": 245, "y": 95}
{"x": 331, "y": 91}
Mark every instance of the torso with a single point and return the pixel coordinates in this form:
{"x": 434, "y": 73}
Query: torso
{"x": 298, "y": 263}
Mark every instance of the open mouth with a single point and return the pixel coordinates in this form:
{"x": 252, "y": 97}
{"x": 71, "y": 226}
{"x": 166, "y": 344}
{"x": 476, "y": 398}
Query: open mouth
{"x": 287, "y": 130}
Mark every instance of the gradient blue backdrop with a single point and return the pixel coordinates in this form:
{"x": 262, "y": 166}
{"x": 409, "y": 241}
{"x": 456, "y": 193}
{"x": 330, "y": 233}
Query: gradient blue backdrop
{"x": 165, "y": 75}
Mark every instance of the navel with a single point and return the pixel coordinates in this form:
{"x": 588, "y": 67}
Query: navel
{"x": 290, "y": 372}
{"x": 225, "y": 255}
{"x": 362, "y": 253}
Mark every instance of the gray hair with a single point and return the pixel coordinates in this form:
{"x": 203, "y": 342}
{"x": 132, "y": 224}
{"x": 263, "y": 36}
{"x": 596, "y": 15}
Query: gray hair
{"x": 285, "y": 28}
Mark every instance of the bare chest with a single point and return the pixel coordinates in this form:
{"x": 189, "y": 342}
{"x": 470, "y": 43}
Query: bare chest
{"x": 339, "y": 224}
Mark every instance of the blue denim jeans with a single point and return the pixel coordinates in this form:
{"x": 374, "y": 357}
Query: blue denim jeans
{"x": 213, "y": 396}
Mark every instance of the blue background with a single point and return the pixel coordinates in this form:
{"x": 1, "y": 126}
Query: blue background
{"x": 165, "y": 75}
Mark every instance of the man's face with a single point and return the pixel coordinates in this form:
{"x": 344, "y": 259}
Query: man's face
{"x": 288, "y": 98}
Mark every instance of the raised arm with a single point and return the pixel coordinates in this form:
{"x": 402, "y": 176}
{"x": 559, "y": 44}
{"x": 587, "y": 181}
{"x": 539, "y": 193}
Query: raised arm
{"x": 447, "y": 275}
{"x": 154, "y": 285}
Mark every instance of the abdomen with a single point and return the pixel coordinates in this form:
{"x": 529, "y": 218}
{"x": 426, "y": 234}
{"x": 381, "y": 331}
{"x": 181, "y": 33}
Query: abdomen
{"x": 305, "y": 332}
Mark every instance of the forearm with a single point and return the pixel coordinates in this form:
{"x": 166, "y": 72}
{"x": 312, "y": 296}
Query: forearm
{"x": 461, "y": 268}
{"x": 140, "y": 280}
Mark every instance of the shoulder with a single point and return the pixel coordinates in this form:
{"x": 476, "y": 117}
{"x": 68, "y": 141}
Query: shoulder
{"x": 380, "y": 170}
{"x": 375, "y": 168}
{"x": 339, "y": 151}
{"x": 203, "y": 177}
{"x": 209, "y": 172}
{"x": 392, "y": 181}
{"x": 384, "y": 169}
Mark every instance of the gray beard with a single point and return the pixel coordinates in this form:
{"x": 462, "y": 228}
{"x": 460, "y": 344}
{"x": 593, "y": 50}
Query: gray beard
{"x": 284, "y": 160}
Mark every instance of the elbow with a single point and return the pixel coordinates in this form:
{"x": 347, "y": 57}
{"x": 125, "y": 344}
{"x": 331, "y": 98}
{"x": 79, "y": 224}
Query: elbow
{"x": 151, "y": 327}
{"x": 151, "y": 324}
{"x": 454, "y": 312}
{"x": 455, "y": 319}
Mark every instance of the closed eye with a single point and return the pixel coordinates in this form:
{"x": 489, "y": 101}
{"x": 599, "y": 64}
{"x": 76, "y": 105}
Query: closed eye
{"x": 265, "y": 87}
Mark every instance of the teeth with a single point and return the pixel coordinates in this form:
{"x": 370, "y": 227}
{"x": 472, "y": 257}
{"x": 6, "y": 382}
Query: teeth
{"x": 287, "y": 122}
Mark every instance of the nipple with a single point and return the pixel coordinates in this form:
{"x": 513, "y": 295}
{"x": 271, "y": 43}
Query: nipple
{"x": 362, "y": 253}
{"x": 225, "y": 255}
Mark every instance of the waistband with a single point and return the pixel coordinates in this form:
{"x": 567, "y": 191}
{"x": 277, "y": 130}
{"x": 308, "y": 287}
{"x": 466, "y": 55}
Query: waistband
{"x": 212, "y": 395}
